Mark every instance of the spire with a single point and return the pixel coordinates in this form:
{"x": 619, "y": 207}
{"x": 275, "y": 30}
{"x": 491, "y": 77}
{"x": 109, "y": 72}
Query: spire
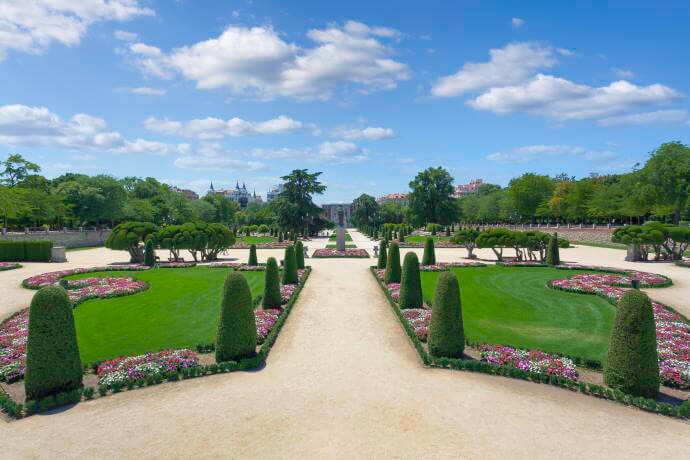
{"x": 244, "y": 186}
{"x": 211, "y": 188}
{"x": 237, "y": 185}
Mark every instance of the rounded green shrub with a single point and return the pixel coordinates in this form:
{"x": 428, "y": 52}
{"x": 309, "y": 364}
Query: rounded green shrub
{"x": 128, "y": 235}
{"x": 271, "y": 298}
{"x": 236, "y": 338}
{"x": 290, "y": 268}
{"x": 632, "y": 365}
{"x": 553, "y": 256}
{"x": 410, "y": 283}
{"x": 446, "y": 331}
{"x": 149, "y": 253}
{"x": 53, "y": 364}
{"x": 382, "y": 255}
{"x": 429, "y": 257}
{"x": 252, "y": 256}
{"x": 299, "y": 254}
{"x": 393, "y": 264}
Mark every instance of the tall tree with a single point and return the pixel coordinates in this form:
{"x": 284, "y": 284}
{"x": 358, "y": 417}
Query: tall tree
{"x": 365, "y": 209}
{"x": 430, "y": 197}
{"x": 668, "y": 172}
{"x": 294, "y": 206}
{"x": 528, "y": 192}
{"x": 16, "y": 168}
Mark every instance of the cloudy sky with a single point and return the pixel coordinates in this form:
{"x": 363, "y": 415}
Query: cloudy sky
{"x": 367, "y": 92}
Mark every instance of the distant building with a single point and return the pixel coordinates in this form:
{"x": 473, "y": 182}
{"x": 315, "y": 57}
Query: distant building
{"x": 400, "y": 198}
{"x": 189, "y": 194}
{"x": 330, "y": 211}
{"x": 239, "y": 195}
{"x": 467, "y": 189}
{"x": 274, "y": 192}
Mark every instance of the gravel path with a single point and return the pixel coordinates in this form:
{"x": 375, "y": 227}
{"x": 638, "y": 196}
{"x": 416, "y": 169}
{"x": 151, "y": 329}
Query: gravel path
{"x": 342, "y": 381}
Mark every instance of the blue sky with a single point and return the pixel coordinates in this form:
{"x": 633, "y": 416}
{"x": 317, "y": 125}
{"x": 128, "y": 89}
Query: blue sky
{"x": 367, "y": 92}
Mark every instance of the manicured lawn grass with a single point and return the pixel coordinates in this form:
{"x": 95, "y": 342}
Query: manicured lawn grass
{"x": 513, "y": 306}
{"x": 334, "y": 237}
{"x": 180, "y": 309}
{"x": 256, "y": 239}
{"x": 422, "y": 239}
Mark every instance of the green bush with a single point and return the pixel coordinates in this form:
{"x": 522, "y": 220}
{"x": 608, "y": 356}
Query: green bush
{"x": 149, "y": 253}
{"x": 553, "y": 256}
{"x": 52, "y": 355}
{"x": 236, "y": 338}
{"x": 446, "y": 331}
{"x": 382, "y": 254}
{"x": 632, "y": 365}
{"x": 128, "y": 235}
{"x": 411, "y": 283}
{"x": 299, "y": 254}
{"x": 25, "y": 251}
{"x": 290, "y": 268}
{"x": 252, "y": 256}
{"x": 429, "y": 257}
{"x": 393, "y": 264}
{"x": 271, "y": 298}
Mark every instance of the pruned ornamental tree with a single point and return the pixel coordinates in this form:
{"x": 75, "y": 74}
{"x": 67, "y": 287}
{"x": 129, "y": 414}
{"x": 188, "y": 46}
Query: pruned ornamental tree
{"x": 383, "y": 253}
{"x": 290, "y": 275}
{"x": 236, "y": 338}
{"x": 128, "y": 236}
{"x": 251, "y": 260}
{"x": 429, "y": 257}
{"x": 410, "y": 283}
{"x": 299, "y": 254}
{"x": 496, "y": 239}
{"x": 446, "y": 331}
{"x": 393, "y": 274}
{"x": 664, "y": 241}
{"x": 632, "y": 365}
{"x": 467, "y": 237}
{"x": 553, "y": 256}
{"x": 271, "y": 298}
{"x": 53, "y": 364}
{"x": 200, "y": 239}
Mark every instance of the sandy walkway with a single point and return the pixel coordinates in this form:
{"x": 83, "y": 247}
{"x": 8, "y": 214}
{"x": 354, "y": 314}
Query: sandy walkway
{"x": 343, "y": 381}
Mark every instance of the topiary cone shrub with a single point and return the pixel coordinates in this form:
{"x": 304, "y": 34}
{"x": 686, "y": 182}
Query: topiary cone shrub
{"x": 53, "y": 364}
{"x": 429, "y": 257}
{"x": 236, "y": 338}
{"x": 392, "y": 274}
{"x": 410, "y": 283}
{"x": 149, "y": 253}
{"x": 299, "y": 254}
{"x": 446, "y": 331}
{"x": 252, "y": 256}
{"x": 381, "y": 264}
{"x": 271, "y": 298}
{"x": 632, "y": 365}
{"x": 553, "y": 256}
{"x": 280, "y": 237}
{"x": 290, "y": 268}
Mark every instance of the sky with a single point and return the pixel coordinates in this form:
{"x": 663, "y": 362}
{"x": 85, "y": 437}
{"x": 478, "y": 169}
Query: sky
{"x": 369, "y": 93}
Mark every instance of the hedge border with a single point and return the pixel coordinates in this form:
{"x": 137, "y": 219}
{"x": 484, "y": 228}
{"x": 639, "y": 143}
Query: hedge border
{"x": 16, "y": 410}
{"x": 681, "y": 411}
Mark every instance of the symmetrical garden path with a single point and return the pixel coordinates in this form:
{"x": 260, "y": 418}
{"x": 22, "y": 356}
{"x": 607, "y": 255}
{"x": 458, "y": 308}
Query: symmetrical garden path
{"x": 344, "y": 381}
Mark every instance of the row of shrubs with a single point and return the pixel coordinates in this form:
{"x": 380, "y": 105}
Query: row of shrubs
{"x": 25, "y": 251}
{"x": 663, "y": 240}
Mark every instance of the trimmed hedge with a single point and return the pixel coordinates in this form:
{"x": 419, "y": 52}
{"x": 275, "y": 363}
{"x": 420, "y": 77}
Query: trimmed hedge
{"x": 553, "y": 256}
{"x": 299, "y": 254}
{"x": 252, "y": 256}
{"x": 429, "y": 257}
{"x": 632, "y": 365}
{"x": 53, "y": 364}
{"x": 236, "y": 336}
{"x": 446, "y": 331}
{"x": 271, "y": 297}
{"x": 411, "y": 283}
{"x": 381, "y": 263}
{"x": 149, "y": 253}
{"x": 25, "y": 251}
{"x": 290, "y": 269}
{"x": 393, "y": 264}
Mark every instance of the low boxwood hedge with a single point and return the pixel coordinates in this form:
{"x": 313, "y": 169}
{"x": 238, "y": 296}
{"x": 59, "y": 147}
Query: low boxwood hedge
{"x": 25, "y": 251}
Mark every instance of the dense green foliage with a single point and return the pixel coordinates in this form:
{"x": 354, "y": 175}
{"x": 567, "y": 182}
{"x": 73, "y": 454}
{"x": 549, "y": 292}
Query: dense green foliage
{"x": 25, "y": 251}
{"x": 410, "y": 283}
{"x": 665, "y": 241}
{"x": 299, "y": 254}
{"x": 430, "y": 197}
{"x": 52, "y": 355}
{"x": 271, "y": 297}
{"x": 252, "y": 260}
{"x": 149, "y": 253}
{"x": 393, "y": 274}
{"x": 446, "y": 331}
{"x": 236, "y": 338}
{"x": 514, "y": 306}
{"x": 553, "y": 256}
{"x": 467, "y": 237}
{"x": 365, "y": 210}
{"x": 199, "y": 238}
{"x": 632, "y": 365}
{"x": 429, "y": 257}
{"x": 128, "y": 236}
{"x": 295, "y": 210}
{"x": 290, "y": 266}
{"x": 383, "y": 253}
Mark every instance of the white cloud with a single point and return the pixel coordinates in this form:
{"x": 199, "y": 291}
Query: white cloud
{"x": 513, "y": 64}
{"x": 32, "y": 26}
{"x": 540, "y": 152}
{"x": 644, "y": 118}
{"x": 145, "y": 91}
{"x": 623, "y": 73}
{"x": 216, "y": 128}
{"x": 21, "y": 125}
{"x": 125, "y": 36}
{"x": 517, "y": 22}
{"x": 369, "y": 133}
{"x": 257, "y": 61}
{"x": 210, "y": 157}
{"x": 562, "y": 99}
{"x": 337, "y": 152}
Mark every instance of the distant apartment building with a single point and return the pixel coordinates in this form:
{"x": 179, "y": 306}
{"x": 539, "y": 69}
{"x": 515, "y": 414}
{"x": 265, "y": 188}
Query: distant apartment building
{"x": 400, "y": 198}
{"x": 467, "y": 189}
{"x": 330, "y": 211}
{"x": 274, "y": 192}
{"x": 189, "y": 194}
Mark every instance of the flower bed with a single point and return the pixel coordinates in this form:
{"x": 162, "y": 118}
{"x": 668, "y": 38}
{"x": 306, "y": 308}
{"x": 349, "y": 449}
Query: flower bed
{"x": 533, "y": 361}
{"x": 437, "y": 245}
{"x": 50, "y": 278}
{"x": 347, "y": 253}
{"x": 13, "y": 335}
{"x": 672, "y": 330}
{"x": 176, "y": 264}
{"x": 273, "y": 245}
{"x": 265, "y": 320}
{"x": 93, "y": 288}
{"x": 419, "y": 319}
{"x": 443, "y": 266}
{"x": 119, "y": 371}
{"x": 522, "y": 263}
{"x": 9, "y": 266}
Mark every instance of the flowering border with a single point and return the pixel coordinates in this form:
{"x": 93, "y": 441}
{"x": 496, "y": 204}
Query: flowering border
{"x": 50, "y": 278}
{"x": 325, "y": 253}
{"x": 650, "y": 405}
{"x": 9, "y": 266}
{"x": 683, "y": 263}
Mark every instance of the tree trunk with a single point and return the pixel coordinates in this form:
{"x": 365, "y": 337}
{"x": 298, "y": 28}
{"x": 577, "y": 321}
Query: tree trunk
{"x": 136, "y": 254}
{"x": 634, "y": 254}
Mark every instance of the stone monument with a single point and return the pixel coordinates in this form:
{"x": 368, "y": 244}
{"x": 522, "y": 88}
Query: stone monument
{"x": 340, "y": 231}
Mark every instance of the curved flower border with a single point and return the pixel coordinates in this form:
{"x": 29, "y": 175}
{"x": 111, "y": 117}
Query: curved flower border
{"x": 325, "y": 253}
{"x": 9, "y": 266}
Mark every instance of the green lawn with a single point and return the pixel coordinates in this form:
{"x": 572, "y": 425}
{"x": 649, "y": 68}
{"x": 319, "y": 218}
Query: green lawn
{"x": 422, "y": 239}
{"x": 334, "y": 237}
{"x": 180, "y": 309}
{"x": 513, "y": 306}
{"x": 256, "y": 239}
